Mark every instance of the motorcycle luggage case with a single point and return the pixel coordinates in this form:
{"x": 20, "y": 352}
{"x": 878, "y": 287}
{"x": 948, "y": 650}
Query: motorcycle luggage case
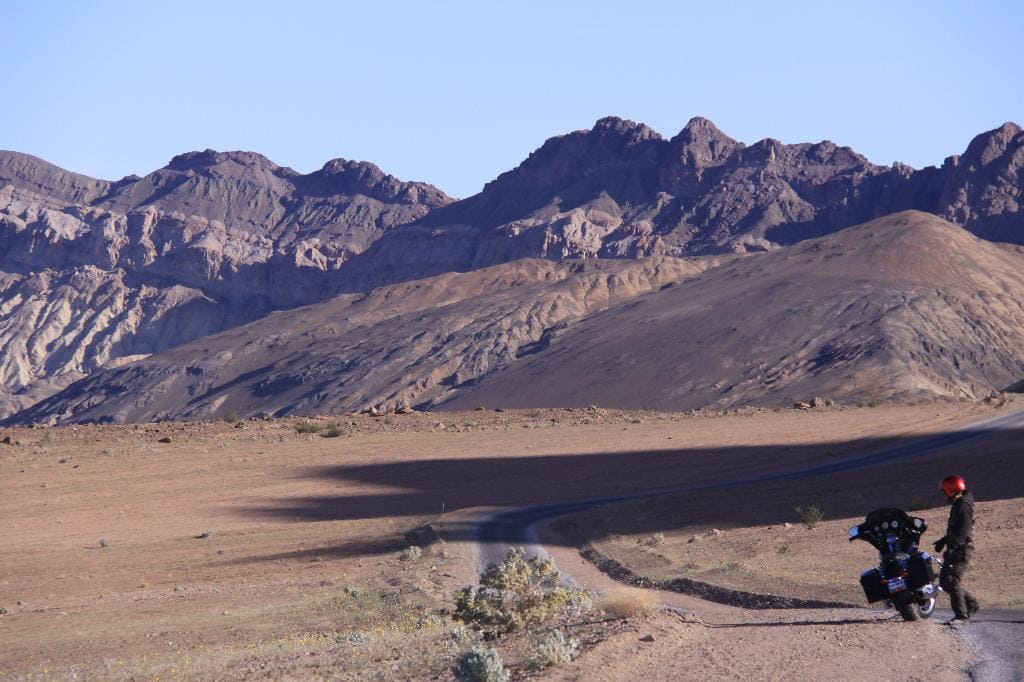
{"x": 871, "y": 581}
{"x": 921, "y": 569}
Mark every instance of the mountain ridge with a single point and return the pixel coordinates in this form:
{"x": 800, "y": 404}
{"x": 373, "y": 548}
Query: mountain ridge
{"x": 246, "y": 237}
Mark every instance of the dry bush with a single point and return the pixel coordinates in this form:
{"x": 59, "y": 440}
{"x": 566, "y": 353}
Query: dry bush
{"x": 411, "y": 553}
{"x": 553, "y": 648}
{"x": 480, "y": 664}
{"x": 628, "y": 602}
{"x": 516, "y": 594}
{"x": 810, "y": 515}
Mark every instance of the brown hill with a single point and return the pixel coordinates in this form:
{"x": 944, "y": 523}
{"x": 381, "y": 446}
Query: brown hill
{"x": 908, "y": 306}
{"x": 399, "y": 345}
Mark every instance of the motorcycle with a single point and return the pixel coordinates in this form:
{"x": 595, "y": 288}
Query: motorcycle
{"x": 905, "y": 576}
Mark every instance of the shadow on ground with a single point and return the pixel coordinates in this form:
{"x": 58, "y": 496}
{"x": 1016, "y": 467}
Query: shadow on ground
{"x": 720, "y": 487}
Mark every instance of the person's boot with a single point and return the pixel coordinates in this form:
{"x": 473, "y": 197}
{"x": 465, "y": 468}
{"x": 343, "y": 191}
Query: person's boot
{"x": 972, "y": 605}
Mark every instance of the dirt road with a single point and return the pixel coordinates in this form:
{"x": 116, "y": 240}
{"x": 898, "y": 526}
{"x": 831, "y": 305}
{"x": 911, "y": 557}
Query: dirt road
{"x": 997, "y": 635}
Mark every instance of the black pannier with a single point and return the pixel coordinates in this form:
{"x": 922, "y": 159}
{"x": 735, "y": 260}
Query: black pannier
{"x": 871, "y": 581}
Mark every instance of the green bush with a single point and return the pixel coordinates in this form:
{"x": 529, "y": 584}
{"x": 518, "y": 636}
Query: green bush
{"x": 810, "y": 515}
{"x": 480, "y": 664}
{"x": 516, "y": 594}
{"x": 231, "y": 417}
{"x": 307, "y": 427}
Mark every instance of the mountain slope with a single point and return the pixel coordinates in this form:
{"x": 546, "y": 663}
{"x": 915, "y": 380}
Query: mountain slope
{"x": 908, "y": 307}
{"x": 399, "y": 345}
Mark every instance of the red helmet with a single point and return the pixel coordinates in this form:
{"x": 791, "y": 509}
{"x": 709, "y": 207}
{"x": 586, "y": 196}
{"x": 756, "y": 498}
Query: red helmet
{"x": 951, "y": 485}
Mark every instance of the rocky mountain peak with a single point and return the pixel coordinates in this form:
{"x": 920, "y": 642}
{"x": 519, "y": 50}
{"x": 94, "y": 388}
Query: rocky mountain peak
{"x": 700, "y": 143}
{"x": 343, "y": 176}
{"x": 630, "y": 131}
{"x": 208, "y": 158}
{"x": 48, "y": 183}
{"x": 992, "y": 144}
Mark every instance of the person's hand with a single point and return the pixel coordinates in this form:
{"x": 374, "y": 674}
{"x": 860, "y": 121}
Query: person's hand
{"x": 940, "y": 545}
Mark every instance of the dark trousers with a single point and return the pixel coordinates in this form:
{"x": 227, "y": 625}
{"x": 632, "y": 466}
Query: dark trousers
{"x": 954, "y": 564}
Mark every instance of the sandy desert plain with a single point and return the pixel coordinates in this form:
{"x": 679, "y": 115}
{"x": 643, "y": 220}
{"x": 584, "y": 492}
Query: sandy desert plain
{"x": 250, "y": 550}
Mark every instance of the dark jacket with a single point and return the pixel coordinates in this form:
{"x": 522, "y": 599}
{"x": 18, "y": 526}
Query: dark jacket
{"x": 961, "y": 523}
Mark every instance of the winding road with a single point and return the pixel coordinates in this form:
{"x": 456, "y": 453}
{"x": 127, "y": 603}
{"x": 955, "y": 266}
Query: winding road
{"x": 996, "y": 635}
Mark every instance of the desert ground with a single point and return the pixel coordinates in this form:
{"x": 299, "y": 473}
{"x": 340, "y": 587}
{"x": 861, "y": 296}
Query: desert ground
{"x": 254, "y": 550}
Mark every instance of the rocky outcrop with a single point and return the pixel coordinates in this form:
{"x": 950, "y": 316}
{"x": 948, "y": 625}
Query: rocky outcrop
{"x": 621, "y": 190}
{"x": 93, "y": 271}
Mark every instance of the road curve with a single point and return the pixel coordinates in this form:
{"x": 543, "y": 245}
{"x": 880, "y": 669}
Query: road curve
{"x": 998, "y": 637}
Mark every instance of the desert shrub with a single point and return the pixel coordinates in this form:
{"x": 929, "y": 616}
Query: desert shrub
{"x": 480, "y": 664}
{"x": 628, "y": 602}
{"x": 553, "y": 648}
{"x": 104, "y": 543}
{"x": 410, "y": 553}
{"x": 307, "y": 427}
{"x": 231, "y": 417}
{"x": 652, "y": 541}
{"x": 515, "y": 594}
{"x": 333, "y": 431}
{"x": 782, "y": 550}
{"x": 810, "y": 516}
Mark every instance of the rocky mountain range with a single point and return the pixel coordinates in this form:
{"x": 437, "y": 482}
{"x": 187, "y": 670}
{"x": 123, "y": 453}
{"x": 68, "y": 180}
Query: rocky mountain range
{"x": 621, "y": 190}
{"x": 97, "y": 274}
{"x": 94, "y": 272}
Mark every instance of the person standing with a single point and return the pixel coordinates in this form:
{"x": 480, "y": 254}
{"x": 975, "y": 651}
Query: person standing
{"x": 958, "y": 548}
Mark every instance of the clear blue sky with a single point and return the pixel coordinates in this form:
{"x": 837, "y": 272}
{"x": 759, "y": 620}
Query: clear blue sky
{"x": 454, "y": 93}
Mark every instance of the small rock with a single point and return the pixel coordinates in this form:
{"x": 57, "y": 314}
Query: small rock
{"x": 715, "y": 532}
{"x": 481, "y": 408}
{"x": 165, "y": 439}
{"x": 787, "y": 525}
{"x": 62, "y": 460}
{"x": 801, "y": 405}
{"x": 240, "y": 425}
{"x": 405, "y": 409}
{"x": 817, "y": 402}
{"x": 647, "y": 638}
{"x": 3, "y": 611}
{"x": 8, "y": 441}
{"x": 693, "y": 538}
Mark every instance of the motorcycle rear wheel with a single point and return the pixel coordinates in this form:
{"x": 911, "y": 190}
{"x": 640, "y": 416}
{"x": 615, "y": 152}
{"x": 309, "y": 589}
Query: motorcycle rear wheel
{"x": 913, "y": 609}
{"x": 908, "y": 609}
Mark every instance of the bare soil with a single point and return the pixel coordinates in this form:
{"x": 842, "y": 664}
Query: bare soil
{"x": 249, "y": 549}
